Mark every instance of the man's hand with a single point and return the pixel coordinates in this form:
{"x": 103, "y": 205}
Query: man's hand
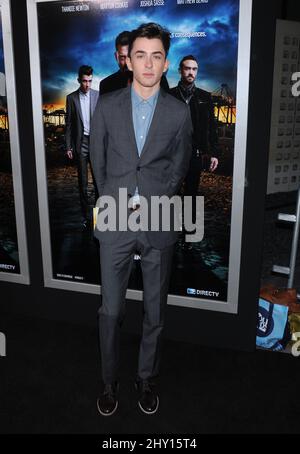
{"x": 69, "y": 153}
{"x": 213, "y": 164}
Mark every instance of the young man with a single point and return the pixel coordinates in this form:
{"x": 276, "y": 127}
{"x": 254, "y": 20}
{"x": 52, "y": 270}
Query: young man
{"x": 148, "y": 155}
{"x": 123, "y": 77}
{"x": 204, "y": 155}
{"x": 80, "y": 106}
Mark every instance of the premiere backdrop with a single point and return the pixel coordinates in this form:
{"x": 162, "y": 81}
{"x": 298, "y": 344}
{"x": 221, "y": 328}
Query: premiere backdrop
{"x": 66, "y": 35}
{"x": 13, "y": 254}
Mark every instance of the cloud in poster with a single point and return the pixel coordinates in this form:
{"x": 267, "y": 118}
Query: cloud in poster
{"x": 67, "y": 41}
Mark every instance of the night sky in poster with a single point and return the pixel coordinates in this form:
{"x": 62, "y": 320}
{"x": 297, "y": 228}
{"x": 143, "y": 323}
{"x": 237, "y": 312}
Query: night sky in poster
{"x": 70, "y": 39}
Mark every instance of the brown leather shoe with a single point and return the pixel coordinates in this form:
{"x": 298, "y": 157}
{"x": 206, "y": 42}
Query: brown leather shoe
{"x": 107, "y": 403}
{"x": 148, "y": 400}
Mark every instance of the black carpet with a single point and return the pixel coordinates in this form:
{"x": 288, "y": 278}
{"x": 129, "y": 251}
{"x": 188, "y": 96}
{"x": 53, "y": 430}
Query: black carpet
{"x": 50, "y": 381}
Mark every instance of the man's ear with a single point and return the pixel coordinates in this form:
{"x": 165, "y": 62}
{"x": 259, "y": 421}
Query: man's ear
{"x": 116, "y": 55}
{"x": 78, "y": 80}
{"x": 128, "y": 63}
{"x": 166, "y": 67}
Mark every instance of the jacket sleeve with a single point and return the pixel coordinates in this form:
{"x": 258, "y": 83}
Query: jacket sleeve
{"x": 98, "y": 145}
{"x": 68, "y": 129}
{"x": 182, "y": 153}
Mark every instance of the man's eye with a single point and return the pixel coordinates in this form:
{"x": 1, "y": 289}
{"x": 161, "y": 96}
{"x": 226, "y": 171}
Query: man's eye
{"x": 157, "y": 57}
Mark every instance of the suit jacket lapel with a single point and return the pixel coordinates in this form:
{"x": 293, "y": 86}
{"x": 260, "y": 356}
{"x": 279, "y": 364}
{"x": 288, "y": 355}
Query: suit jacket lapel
{"x": 77, "y": 102}
{"x": 126, "y": 107}
{"x": 93, "y": 95}
{"x": 156, "y": 120}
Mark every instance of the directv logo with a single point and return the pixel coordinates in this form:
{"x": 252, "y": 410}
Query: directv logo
{"x": 193, "y": 291}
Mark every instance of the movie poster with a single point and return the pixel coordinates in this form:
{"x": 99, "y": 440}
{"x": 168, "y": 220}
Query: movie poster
{"x": 9, "y": 254}
{"x": 73, "y": 33}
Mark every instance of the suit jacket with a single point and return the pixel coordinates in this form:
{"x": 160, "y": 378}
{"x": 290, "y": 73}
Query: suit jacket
{"x": 203, "y": 119}
{"x": 74, "y": 121}
{"x": 164, "y": 159}
{"x": 121, "y": 79}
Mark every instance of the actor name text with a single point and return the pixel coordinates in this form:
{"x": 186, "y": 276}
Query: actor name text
{"x": 75, "y": 8}
{"x": 145, "y": 3}
{"x": 113, "y": 5}
{"x": 190, "y": 2}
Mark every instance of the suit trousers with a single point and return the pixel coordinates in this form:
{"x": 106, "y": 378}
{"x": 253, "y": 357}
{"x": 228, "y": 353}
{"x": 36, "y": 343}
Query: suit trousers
{"x": 116, "y": 262}
{"x": 83, "y": 177}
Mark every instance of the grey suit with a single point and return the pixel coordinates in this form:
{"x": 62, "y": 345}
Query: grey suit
{"x": 79, "y": 143}
{"x": 159, "y": 170}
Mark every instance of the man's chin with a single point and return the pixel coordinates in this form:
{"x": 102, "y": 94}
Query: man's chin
{"x": 149, "y": 82}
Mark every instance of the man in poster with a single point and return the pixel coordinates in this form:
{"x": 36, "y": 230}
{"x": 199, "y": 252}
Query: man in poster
{"x": 80, "y": 106}
{"x": 148, "y": 154}
{"x": 123, "y": 76}
{"x": 204, "y": 155}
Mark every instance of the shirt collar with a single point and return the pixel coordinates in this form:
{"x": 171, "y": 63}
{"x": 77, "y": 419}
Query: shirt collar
{"x": 86, "y": 95}
{"x": 137, "y": 99}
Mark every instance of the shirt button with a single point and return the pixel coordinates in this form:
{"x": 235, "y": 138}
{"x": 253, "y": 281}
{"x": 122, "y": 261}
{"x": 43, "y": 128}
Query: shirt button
{"x": 143, "y": 118}
{"x": 142, "y": 137}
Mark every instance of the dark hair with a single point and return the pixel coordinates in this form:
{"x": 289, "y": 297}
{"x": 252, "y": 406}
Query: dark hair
{"x": 122, "y": 39}
{"x": 150, "y": 31}
{"x": 187, "y": 57}
{"x": 85, "y": 70}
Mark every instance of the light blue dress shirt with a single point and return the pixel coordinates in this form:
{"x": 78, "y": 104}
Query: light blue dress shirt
{"x": 86, "y": 111}
{"x": 142, "y": 114}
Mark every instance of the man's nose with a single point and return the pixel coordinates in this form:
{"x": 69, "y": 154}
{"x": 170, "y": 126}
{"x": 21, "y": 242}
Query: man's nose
{"x": 148, "y": 62}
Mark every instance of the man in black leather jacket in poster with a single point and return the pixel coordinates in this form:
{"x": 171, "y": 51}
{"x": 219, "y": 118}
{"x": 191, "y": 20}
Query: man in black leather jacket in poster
{"x": 204, "y": 155}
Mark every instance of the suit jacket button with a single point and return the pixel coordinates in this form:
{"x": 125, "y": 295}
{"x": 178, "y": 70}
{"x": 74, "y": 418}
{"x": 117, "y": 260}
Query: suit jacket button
{"x": 138, "y": 168}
